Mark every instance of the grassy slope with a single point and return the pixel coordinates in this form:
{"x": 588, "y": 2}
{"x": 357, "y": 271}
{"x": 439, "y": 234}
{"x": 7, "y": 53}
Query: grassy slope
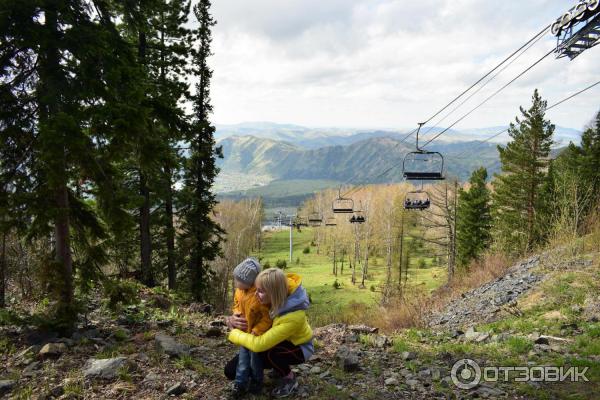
{"x": 348, "y": 303}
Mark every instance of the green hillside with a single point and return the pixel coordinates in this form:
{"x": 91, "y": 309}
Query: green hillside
{"x": 348, "y": 303}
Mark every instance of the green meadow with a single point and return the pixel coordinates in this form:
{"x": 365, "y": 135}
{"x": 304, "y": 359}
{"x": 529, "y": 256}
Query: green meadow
{"x": 341, "y": 302}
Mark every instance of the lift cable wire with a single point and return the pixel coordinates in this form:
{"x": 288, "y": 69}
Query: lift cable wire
{"x": 480, "y": 142}
{"x": 541, "y": 33}
{"x": 495, "y": 162}
{"x": 438, "y": 122}
{"x": 489, "y": 98}
{"x": 524, "y": 47}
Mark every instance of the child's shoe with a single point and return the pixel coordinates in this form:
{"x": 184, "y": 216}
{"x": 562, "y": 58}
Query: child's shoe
{"x": 237, "y": 392}
{"x": 255, "y": 387}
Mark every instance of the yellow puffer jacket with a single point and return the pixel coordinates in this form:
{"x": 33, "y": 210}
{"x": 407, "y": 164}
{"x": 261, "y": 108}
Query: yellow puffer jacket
{"x": 290, "y": 324}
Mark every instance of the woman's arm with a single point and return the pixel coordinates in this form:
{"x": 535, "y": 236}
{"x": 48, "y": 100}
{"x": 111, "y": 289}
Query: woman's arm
{"x": 269, "y": 339}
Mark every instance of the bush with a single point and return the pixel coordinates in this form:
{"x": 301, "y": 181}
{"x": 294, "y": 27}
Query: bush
{"x": 306, "y": 250}
{"x": 337, "y": 285}
{"x": 267, "y": 265}
{"x": 298, "y": 261}
{"x": 281, "y": 264}
{"x": 120, "y": 293}
{"x": 422, "y": 263}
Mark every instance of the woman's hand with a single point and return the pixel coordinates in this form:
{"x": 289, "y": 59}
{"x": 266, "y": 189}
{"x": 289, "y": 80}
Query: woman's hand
{"x": 236, "y": 321}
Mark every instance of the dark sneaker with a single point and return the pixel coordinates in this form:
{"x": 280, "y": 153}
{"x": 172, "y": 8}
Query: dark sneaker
{"x": 287, "y": 387}
{"x": 255, "y": 387}
{"x": 274, "y": 375}
{"x": 237, "y": 392}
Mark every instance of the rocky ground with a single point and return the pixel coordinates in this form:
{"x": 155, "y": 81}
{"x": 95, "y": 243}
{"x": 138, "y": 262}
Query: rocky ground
{"x": 160, "y": 349}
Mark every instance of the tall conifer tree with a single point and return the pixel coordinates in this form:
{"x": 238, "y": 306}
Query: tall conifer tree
{"x": 518, "y": 210}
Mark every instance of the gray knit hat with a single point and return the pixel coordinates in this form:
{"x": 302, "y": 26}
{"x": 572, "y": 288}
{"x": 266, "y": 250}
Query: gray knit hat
{"x": 247, "y": 270}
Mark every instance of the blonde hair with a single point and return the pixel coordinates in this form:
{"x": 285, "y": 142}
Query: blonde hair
{"x": 274, "y": 283}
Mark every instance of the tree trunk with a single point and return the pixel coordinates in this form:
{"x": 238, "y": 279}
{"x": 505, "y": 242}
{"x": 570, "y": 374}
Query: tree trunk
{"x": 145, "y": 238}
{"x": 401, "y": 250}
{"x": 170, "y": 233}
{"x": 3, "y": 272}
{"x": 63, "y": 244}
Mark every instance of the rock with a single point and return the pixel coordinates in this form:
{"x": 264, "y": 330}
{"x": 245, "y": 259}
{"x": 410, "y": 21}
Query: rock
{"x": 486, "y": 392}
{"x": 169, "y": 346}
{"x": 31, "y": 369}
{"x": 409, "y": 355}
{"x": 201, "y": 308}
{"x": 324, "y": 375}
{"x": 362, "y": 329}
{"x": 542, "y": 340}
{"x": 471, "y": 334}
{"x": 482, "y": 337}
{"x": 57, "y": 391}
{"x": 160, "y": 301}
{"x": 6, "y": 386}
{"x": 381, "y": 341}
{"x": 391, "y": 382}
{"x": 413, "y": 383}
{"x": 315, "y": 370}
{"x": 29, "y": 352}
{"x": 456, "y": 334}
{"x": 177, "y": 389}
{"x": 214, "y": 331}
{"x": 51, "y": 350}
{"x": 104, "y": 368}
{"x": 347, "y": 359}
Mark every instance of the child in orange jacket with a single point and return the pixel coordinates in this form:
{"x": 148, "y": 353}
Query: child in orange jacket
{"x": 249, "y": 372}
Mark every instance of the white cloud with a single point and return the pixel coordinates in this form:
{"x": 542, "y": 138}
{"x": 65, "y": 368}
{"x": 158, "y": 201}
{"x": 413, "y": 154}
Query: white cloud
{"x": 387, "y": 63}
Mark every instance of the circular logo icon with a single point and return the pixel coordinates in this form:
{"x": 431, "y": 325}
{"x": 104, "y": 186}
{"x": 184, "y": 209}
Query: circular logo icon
{"x": 466, "y": 374}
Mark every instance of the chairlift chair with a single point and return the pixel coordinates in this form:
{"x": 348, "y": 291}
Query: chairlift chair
{"x": 358, "y": 217}
{"x": 330, "y": 221}
{"x": 315, "y": 219}
{"x": 423, "y": 164}
{"x": 417, "y": 200}
{"x": 342, "y": 205}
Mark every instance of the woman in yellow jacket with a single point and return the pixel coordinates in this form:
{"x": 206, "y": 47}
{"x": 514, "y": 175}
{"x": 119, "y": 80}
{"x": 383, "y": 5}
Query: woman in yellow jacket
{"x": 290, "y": 339}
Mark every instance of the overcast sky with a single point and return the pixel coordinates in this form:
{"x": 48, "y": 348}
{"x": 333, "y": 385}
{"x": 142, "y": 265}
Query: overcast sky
{"x": 388, "y": 63}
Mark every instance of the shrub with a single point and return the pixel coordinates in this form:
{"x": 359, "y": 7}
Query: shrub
{"x": 337, "y": 285}
{"x": 298, "y": 261}
{"x": 281, "y": 264}
{"x": 306, "y": 250}
{"x": 120, "y": 293}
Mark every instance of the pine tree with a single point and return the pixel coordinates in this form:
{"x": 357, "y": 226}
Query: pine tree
{"x": 518, "y": 211}
{"x": 474, "y": 221}
{"x": 201, "y": 233}
{"x": 69, "y": 71}
{"x": 590, "y": 159}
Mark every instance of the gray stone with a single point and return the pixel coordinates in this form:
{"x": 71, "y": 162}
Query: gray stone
{"x": 169, "y": 346}
{"x": 409, "y": 355}
{"x": 104, "y": 368}
{"x": 391, "y": 382}
{"x": 362, "y": 329}
{"x": 6, "y": 386}
{"x": 315, "y": 370}
{"x": 177, "y": 389}
{"x": 347, "y": 359}
{"x": 31, "y": 369}
{"x": 214, "y": 331}
{"x": 52, "y": 350}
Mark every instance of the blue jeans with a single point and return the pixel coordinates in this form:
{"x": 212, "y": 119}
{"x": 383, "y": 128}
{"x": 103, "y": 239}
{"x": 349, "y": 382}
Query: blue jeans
{"x": 249, "y": 366}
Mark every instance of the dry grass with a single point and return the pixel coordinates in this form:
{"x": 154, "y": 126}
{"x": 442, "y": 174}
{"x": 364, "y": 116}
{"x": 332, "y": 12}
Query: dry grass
{"x": 413, "y": 309}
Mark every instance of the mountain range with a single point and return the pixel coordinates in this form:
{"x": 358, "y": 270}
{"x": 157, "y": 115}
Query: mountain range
{"x": 290, "y": 162}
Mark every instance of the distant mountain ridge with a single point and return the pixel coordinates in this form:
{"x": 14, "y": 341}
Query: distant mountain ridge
{"x": 362, "y": 161}
{"x": 313, "y": 138}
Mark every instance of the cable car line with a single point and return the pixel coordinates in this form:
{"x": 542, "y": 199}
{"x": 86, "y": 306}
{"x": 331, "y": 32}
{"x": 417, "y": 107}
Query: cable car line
{"x": 489, "y": 97}
{"x": 484, "y": 85}
{"x": 459, "y": 155}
